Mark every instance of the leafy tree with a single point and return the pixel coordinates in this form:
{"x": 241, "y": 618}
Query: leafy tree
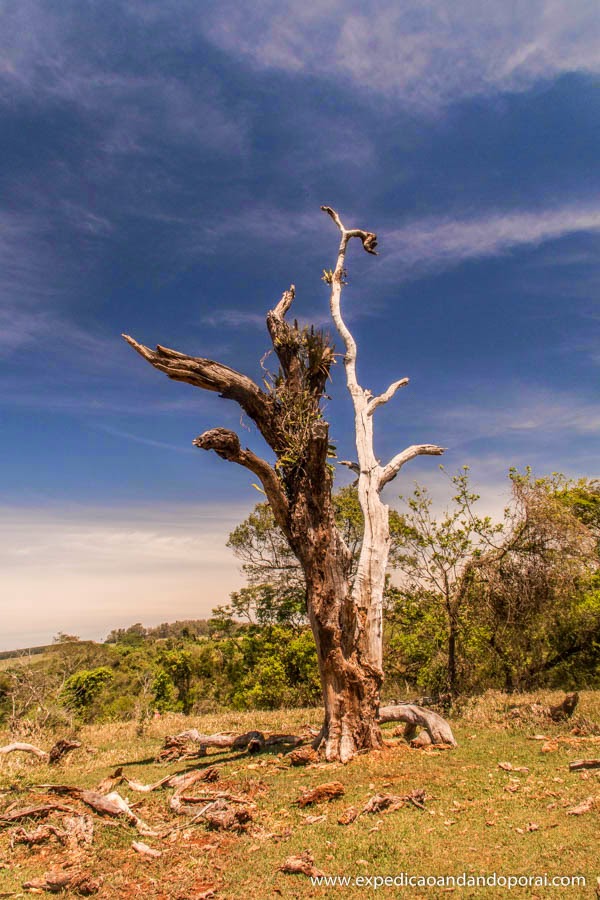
{"x": 512, "y": 596}
{"x": 82, "y": 688}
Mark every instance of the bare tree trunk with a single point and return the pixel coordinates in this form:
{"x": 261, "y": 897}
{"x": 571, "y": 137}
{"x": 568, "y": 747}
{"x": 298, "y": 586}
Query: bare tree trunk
{"x": 369, "y": 584}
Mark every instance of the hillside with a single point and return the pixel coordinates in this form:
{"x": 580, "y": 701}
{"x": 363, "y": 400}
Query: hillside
{"x": 478, "y": 817}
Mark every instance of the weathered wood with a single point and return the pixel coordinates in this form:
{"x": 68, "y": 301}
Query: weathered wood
{"x": 25, "y": 748}
{"x": 221, "y": 816}
{"x": 145, "y": 850}
{"x": 415, "y": 716}
{"x": 105, "y": 804}
{"x": 321, "y": 793}
{"x": 253, "y": 741}
{"x": 77, "y": 882}
{"x": 56, "y": 753}
{"x": 565, "y": 709}
{"x": 33, "y": 812}
{"x": 304, "y": 756}
{"x": 301, "y": 865}
{"x": 61, "y": 748}
{"x": 369, "y": 582}
{"x": 584, "y": 764}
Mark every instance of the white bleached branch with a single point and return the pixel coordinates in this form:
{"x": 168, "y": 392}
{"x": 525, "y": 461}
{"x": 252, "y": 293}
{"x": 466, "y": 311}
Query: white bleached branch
{"x": 387, "y": 395}
{"x": 395, "y": 464}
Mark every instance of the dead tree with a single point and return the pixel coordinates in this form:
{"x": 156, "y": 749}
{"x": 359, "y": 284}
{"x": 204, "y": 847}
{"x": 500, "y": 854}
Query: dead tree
{"x": 345, "y": 619}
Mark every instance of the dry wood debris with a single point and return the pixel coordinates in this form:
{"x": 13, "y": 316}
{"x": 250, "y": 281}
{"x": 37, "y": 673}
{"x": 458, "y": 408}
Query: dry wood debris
{"x": 301, "y": 865}
{"x": 584, "y": 807}
{"x": 584, "y": 764}
{"x": 76, "y": 881}
{"x": 145, "y": 850}
{"x": 321, "y": 793}
{"x": 383, "y": 803}
{"x": 304, "y": 756}
{"x": 54, "y": 755}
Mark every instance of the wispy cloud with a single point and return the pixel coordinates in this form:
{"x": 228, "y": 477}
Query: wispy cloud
{"x": 149, "y": 442}
{"x": 61, "y": 54}
{"x": 424, "y": 53}
{"x": 440, "y": 242}
{"x": 526, "y": 411}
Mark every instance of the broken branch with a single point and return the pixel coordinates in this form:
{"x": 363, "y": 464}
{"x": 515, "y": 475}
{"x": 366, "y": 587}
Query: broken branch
{"x": 395, "y": 464}
{"x": 387, "y": 395}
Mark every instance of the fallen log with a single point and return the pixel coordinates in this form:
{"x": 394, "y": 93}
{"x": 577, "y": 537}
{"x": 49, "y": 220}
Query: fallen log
{"x": 175, "y": 746}
{"x": 416, "y": 717}
{"x": 584, "y": 764}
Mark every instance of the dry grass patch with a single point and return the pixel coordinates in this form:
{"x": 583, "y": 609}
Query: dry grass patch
{"x": 478, "y": 816}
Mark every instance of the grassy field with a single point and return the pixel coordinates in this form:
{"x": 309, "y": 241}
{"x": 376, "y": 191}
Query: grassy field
{"x": 479, "y": 818}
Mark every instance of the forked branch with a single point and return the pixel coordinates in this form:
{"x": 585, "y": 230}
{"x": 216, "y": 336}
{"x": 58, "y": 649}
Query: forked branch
{"x": 387, "y": 395}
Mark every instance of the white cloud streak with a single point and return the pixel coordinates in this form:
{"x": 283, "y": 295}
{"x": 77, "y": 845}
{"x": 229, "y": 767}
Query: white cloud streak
{"x": 424, "y": 52}
{"x": 434, "y": 243}
{"x": 527, "y": 411}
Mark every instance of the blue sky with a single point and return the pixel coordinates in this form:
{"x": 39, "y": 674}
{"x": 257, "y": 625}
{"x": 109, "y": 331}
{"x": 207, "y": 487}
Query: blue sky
{"x": 162, "y": 169}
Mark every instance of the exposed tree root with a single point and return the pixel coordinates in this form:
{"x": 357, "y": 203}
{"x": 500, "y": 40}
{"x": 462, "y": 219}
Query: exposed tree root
{"x": 415, "y": 717}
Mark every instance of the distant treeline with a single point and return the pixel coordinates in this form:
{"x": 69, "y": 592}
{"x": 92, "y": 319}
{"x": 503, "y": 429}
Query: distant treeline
{"x": 512, "y": 604}
{"x": 27, "y": 651}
